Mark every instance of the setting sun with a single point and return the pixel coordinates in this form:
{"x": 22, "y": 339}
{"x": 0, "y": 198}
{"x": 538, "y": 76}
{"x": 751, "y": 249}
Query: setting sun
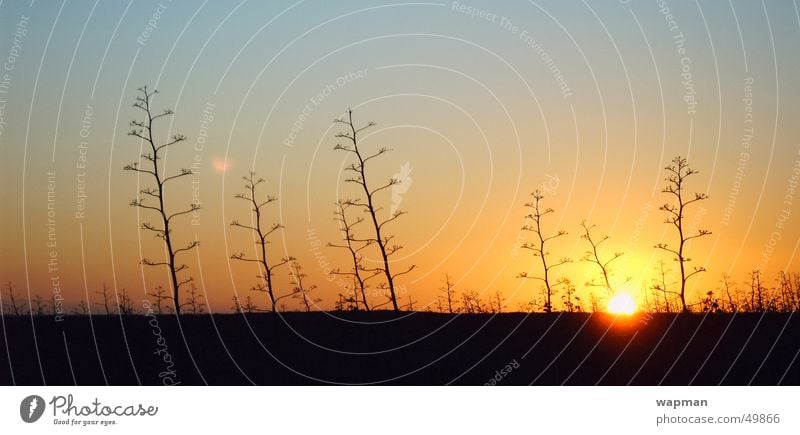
{"x": 622, "y": 303}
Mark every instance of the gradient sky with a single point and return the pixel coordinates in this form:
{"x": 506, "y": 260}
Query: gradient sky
{"x": 472, "y": 103}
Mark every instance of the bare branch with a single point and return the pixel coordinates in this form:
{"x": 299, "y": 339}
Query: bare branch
{"x": 188, "y": 247}
{"x": 240, "y": 256}
{"x": 175, "y": 139}
{"x": 148, "y": 262}
{"x": 192, "y": 207}
{"x": 137, "y": 203}
{"x": 134, "y": 167}
{"x": 236, "y": 223}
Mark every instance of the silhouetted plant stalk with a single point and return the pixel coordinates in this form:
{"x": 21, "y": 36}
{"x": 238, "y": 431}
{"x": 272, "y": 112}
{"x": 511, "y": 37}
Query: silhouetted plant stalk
{"x": 153, "y": 198}
{"x": 250, "y": 306}
{"x": 756, "y": 291}
{"x": 677, "y": 173}
{"x": 593, "y": 256}
{"x": 726, "y": 286}
{"x": 261, "y": 234}
{"x": 359, "y": 171}
{"x": 539, "y": 247}
{"x": 15, "y": 307}
{"x": 411, "y": 304}
{"x": 471, "y": 302}
{"x": 106, "y": 299}
{"x": 354, "y": 246}
{"x": 449, "y": 294}
{"x": 82, "y": 308}
{"x": 710, "y": 303}
{"x": 125, "y": 305}
{"x": 571, "y": 301}
{"x": 300, "y": 290}
{"x": 38, "y": 304}
{"x": 194, "y": 301}
{"x": 237, "y": 306}
{"x": 499, "y": 300}
{"x": 661, "y": 286}
{"x": 346, "y": 303}
{"x": 160, "y": 295}
{"x": 789, "y": 291}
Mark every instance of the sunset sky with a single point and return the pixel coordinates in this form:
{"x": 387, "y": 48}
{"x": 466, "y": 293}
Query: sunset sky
{"x": 481, "y": 103}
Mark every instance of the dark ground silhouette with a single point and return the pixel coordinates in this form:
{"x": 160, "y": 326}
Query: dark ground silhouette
{"x": 404, "y": 348}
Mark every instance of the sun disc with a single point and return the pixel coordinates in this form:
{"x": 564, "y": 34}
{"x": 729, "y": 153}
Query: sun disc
{"x": 622, "y": 303}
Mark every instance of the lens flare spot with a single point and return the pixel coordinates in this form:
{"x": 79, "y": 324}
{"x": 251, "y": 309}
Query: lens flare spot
{"x": 220, "y": 164}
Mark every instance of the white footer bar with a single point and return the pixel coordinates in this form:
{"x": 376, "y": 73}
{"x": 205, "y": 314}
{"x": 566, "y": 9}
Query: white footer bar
{"x": 401, "y": 410}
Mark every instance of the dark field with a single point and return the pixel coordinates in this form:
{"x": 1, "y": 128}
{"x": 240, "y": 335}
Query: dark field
{"x": 404, "y": 348}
